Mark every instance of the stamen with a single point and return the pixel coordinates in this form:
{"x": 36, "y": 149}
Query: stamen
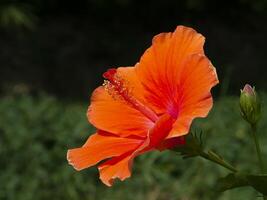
{"x": 116, "y": 87}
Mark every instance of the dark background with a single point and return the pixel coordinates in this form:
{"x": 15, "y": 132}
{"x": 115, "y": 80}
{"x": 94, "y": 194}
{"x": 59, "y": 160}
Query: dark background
{"x": 63, "y": 47}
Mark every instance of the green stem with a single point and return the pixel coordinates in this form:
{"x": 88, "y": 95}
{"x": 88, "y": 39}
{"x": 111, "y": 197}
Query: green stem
{"x": 258, "y": 149}
{"x": 211, "y": 156}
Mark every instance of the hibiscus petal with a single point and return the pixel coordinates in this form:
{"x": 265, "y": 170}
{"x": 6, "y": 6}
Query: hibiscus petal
{"x": 116, "y": 116}
{"x": 120, "y": 167}
{"x": 98, "y": 147}
{"x": 123, "y": 113}
{"x": 160, "y": 66}
{"x": 132, "y": 82}
{"x": 197, "y": 79}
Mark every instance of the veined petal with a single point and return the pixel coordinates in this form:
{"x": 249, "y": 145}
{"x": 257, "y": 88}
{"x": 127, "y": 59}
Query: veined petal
{"x": 116, "y": 116}
{"x": 195, "y": 100}
{"x": 118, "y": 107}
{"x": 120, "y": 167}
{"x": 160, "y": 67}
{"x": 98, "y": 147}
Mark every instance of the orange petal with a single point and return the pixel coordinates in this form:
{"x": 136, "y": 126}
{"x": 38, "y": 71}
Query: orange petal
{"x": 110, "y": 112}
{"x": 98, "y": 147}
{"x": 132, "y": 82}
{"x": 197, "y": 79}
{"x": 160, "y": 66}
{"x": 120, "y": 167}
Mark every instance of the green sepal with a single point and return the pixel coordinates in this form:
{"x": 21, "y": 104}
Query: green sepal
{"x": 192, "y": 147}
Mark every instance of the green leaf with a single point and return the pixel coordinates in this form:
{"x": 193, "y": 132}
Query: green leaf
{"x": 259, "y": 182}
{"x": 231, "y": 181}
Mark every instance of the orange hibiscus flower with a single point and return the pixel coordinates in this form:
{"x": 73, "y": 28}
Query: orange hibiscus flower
{"x": 149, "y": 106}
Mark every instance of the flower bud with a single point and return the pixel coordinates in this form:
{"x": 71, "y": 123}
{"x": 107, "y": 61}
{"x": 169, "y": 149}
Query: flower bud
{"x": 250, "y": 105}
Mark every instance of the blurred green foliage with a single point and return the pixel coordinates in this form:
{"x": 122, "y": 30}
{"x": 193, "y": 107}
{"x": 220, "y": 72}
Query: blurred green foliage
{"x": 35, "y": 133}
{"x": 17, "y": 15}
